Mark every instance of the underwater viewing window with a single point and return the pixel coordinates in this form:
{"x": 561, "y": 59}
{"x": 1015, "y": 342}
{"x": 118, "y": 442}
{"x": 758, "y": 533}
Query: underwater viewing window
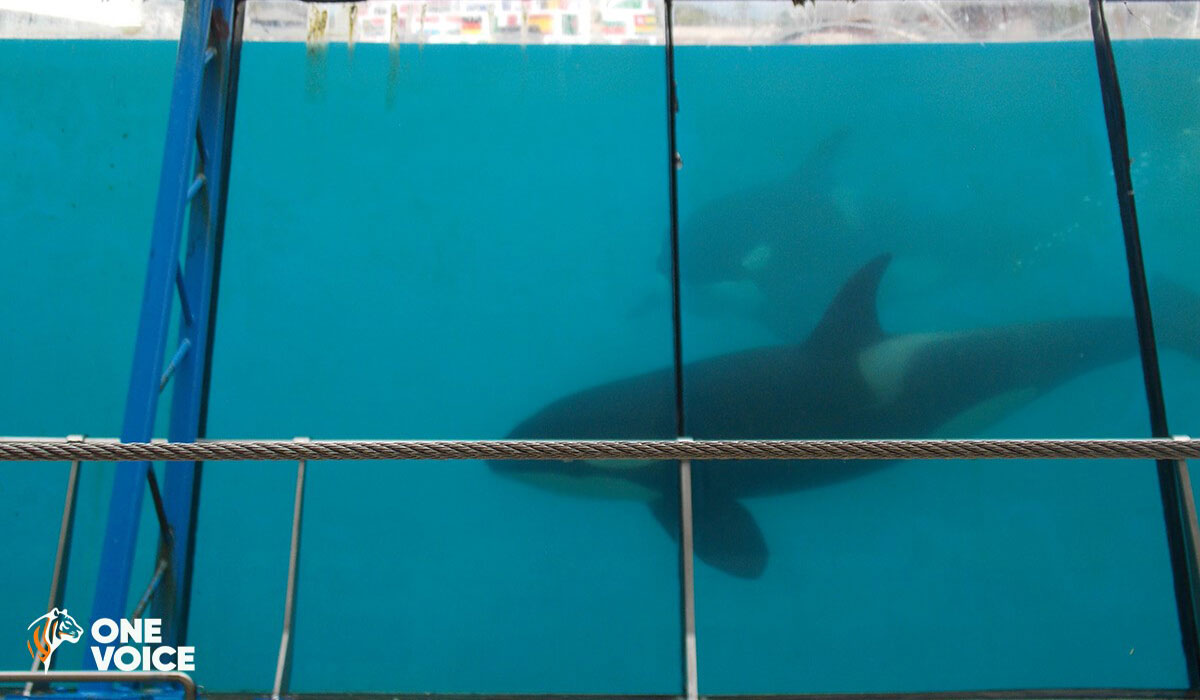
{"x": 618, "y": 220}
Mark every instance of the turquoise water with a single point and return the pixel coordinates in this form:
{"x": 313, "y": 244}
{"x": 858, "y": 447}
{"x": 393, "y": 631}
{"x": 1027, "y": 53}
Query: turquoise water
{"x": 441, "y": 241}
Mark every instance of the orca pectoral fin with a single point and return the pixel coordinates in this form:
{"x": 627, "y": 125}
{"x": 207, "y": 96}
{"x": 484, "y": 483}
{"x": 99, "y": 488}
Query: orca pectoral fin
{"x": 650, "y": 302}
{"x": 726, "y": 536}
{"x": 666, "y": 512}
{"x": 1177, "y": 316}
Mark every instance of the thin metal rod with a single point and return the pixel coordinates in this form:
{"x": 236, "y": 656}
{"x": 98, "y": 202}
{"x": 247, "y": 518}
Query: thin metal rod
{"x": 65, "y": 530}
{"x": 1114, "y": 113}
{"x": 283, "y": 665}
{"x": 62, "y": 555}
{"x": 164, "y": 527}
{"x": 1190, "y": 527}
{"x": 231, "y": 87}
{"x": 1188, "y": 505}
{"x": 686, "y": 548}
{"x": 202, "y": 153}
{"x": 687, "y": 568}
{"x": 673, "y": 163}
{"x": 189, "y": 686}
{"x": 155, "y": 580}
{"x": 181, "y": 290}
{"x": 1185, "y": 567}
{"x": 166, "y": 544}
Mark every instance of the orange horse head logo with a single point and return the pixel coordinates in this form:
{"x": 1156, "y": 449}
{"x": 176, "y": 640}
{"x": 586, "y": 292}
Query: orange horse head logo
{"x": 49, "y": 631}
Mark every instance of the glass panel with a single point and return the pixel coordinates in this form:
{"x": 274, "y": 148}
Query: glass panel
{"x": 82, "y": 148}
{"x": 431, "y": 242}
{"x": 893, "y": 240}
{"x": 466, "y": 22}
{"x": 1151, "y": 19}
{"x": 91, "y": 19}
{"x": 734, "y": 22}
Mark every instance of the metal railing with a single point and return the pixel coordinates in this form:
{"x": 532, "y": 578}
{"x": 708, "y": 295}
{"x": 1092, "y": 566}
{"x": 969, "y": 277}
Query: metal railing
{"x": 40, "y": 677}
{"x": 111, "y": 449}
{"x": 78, "y": 448}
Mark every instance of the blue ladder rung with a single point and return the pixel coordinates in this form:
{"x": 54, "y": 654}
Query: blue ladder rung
{"x": 184, "y": 346}
{"x": 196, "y": 185}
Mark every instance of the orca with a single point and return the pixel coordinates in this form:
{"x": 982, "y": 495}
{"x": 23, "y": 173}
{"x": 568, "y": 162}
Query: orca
{"x": 738, "y": 253}
{"x": 848, "y": 380}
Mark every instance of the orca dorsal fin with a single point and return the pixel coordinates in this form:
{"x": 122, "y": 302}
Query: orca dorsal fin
{"x": 852, "y": 321}
{"x": 819, "y": 164}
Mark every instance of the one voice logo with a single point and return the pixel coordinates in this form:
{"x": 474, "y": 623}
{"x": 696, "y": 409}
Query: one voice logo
{"x": 49, "y": 632}
{"x": 135, "y": 638}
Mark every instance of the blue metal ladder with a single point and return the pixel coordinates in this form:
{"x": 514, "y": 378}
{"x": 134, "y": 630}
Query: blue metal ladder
{"x": 192, "y": 187}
